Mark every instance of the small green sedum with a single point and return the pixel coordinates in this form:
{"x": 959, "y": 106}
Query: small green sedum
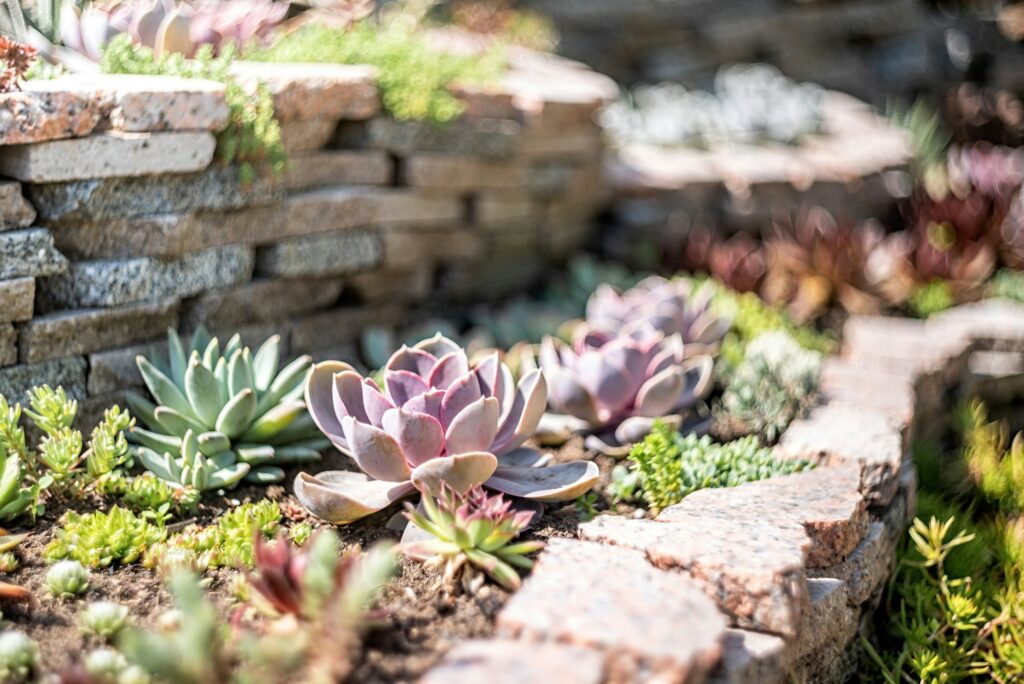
{"x": 67, "y": 579}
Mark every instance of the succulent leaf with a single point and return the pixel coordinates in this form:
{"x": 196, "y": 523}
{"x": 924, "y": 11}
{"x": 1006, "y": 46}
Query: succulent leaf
{"x": 203, "y": 392}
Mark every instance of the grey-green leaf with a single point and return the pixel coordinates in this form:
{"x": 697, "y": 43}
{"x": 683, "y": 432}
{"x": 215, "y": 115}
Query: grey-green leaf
{"x": 162, "y": 387}
{"x": 204, "y": 393}
{"x": 237, "y": 415}
{"x": 266, "y": 361}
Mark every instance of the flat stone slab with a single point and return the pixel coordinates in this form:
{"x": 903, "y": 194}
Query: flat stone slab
{"x": 70, "y": 333}
{"x": 337, "y": 167}
{"x": 147, "y": 103}
{"x": 216, "y": 188}
{"x": 485, "y": 138}
{"x": 867, "y": 569}
{"x": 397, "y": 207}
{"x": 31, "y": 117}
{"x": 29, "y": 252}
{"x": 830, "y": 619}
{"x": 114, "y": 370}
{"x": 330, "y": 254}
{"x": 824, "y": 502}
{"x": 108, "y": 155}
{"x": 840, "y": 433}
{"x": 315, "y": 91}
{"x": 754, "y": 571}
{"x": 17, "y": 297}
{"x": 995, "y": 377}
{"x": 503, "y": 661}
{"x": 992, "y": 323}
{"x": 127, "y": 281}
{"x": 69, "y": 373}
{"x": 15, "y": 211}
{"x": 751, "y": 658}
{"x": 260, "y": 300}
{"x": 8, "y": 344}
{"x": 453, "y": 173}
{"x": 654, "y": 623}
{"x": 306, "y": 135}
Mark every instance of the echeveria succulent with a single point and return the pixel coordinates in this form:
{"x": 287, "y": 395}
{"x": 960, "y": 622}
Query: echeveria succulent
{"x": 436, "y": 420}
{"x": 67, "y": 579}
{"x": 19, "y": 656}
{"x": 222, "y": 417}
{"x": 623, "y": 382}
{"x": 471, "y": 533}
{"x": 673, "y": 307}
{"x": 103, "y": 618}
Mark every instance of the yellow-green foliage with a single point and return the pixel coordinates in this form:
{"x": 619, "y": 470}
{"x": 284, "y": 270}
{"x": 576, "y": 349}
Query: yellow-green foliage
{"x": 101, "y": 538}
{"x": 1009, "y": 284}
{"x": 932, "y": 298}
{"x": 413, "y": 76}
{"x": 252, "y": 138}
{"x": 751, "y": 317}
{"x": 226, "y": 543}
{"x": 958, "y": 597}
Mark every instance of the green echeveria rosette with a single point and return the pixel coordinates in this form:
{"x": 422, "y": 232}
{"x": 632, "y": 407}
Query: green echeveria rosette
{"x": 219, "y": 418}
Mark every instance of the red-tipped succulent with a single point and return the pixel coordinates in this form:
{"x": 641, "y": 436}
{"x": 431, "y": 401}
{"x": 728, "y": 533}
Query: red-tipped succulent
{"x": 470, "y": 533}
{"x": 437, "y": 420}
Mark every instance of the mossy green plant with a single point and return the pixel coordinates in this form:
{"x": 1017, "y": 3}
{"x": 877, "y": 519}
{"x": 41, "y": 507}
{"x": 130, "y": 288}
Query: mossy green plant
{"x": 667, "y": 466}
{"x": 252, "y": 139}
{"x": 775, "y": 381}
{"x": 413, "y": 75}
{"x": 931, "y": 298}
{"x": 1008, "y": 284}
{"x": 226, "y": 543}
{"x": 100, "y": 539}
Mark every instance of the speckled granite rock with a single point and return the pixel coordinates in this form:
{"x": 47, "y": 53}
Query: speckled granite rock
{"x": 127, "y": 281}
{"x": 217, "y": 188}
{"x": 8, "y": 344}
{"x": 995, "y": 377}
{"x": 339, "y": 328}
{"x": 330, "y": 209}
{"x": 823, "y": 502}
{"x": 751, "y": 658}
{"x": 69, "y": 373}
{"x": 841, "y": 433}
{"x": 315, "y": 91}
{"x": 866, "y": 571}
{"x": 329, "y": 254}
{"x": 16, "y": 299}
{"x": 114, "y": 370}
{"x": 487, "y": 138}
{"x": 754, "y": 571}
{"x": 334, "y": 167}
{"x": 80, "y": 332}
{"x": 658, "y": 625}
{"x": 147, "y": 103}
{"x": 453, "y": 173}
{"x": 15, "y": 211}
{"x": 260, "y": 300}
{"x": 29, "y": 117}
{"x": 829, "y": 619}
{"x": 501, "y": 661}
{"x": 398, "y": 207}
{"x": 404, "y": 249}
{"x": 108, "y": 155}
{"x": 29, "y": 252}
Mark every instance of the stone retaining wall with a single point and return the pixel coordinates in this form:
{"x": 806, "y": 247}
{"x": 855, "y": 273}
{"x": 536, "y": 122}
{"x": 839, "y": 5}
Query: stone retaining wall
{"x": 116, "y": 223}
{"x": 875, "y": 49}
{"x": 770, "y": 581}
{"x": 855, "y": 166}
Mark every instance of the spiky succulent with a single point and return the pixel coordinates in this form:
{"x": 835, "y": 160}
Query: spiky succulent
{"x": 220, "y": 418}
{"x": 471, "y": 533}
{"x": 67, "y": 579}
{"x": 620, "y": 383}
{"x": 436, "y": 420}
{"x": 100, "y": 538}
{"x": 672, "y": 307}
{"x": 288, "y": 580}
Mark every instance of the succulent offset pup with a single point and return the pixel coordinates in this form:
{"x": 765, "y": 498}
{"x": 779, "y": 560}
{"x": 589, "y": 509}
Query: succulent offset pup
{"x": 436, "y": 420}
{"x": 220, "y": 418}
{"x": 617, "y": 385}
{"x": 673, "y": 307}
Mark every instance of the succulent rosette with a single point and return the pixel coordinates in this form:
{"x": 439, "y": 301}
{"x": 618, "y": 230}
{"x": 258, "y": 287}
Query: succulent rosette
{"x": 617, "y": 385}
{"x": 673, "y": 307}
{"x": 437, "y": 419}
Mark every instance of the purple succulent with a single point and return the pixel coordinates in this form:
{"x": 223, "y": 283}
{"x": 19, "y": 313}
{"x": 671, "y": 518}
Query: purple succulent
{"x": 436, "y": 420}
{"x": 674, "y": 307}
{"x": 623, "y": 381}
